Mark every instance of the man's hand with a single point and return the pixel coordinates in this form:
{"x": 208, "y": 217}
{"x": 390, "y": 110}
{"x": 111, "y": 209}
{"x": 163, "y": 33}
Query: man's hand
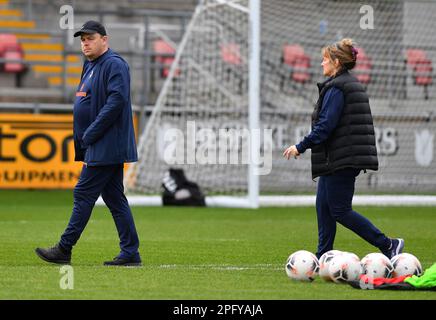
{"x": 291, "y": 151}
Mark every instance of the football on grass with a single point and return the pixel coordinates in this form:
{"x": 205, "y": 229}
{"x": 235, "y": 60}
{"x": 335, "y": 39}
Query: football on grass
{"x": 302, "y": 265}
{"x": 377, "y": 265}
{"x": 344, "y": 268}
{"x": 406, "y": 264}
{"x": 324, "y": 262}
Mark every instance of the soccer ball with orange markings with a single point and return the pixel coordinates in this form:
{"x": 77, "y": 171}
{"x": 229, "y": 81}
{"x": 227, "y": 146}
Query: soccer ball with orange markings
{"x": 345, "y": 267}
{"x": 377, "y": 265}
{"x": 406, "y": 264}
{"x": 324, "y": 262}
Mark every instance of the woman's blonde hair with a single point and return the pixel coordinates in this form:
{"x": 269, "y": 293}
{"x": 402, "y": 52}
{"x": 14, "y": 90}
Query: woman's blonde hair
{"x": 342, "y": 50}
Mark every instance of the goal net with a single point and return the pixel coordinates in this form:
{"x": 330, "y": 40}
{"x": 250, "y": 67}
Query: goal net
{"x": 200, "y": 122}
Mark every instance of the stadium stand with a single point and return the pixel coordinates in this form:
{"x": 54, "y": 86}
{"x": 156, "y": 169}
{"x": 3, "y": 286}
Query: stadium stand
{"x": 169, "y": 5}
{"x": 53, "y": 62}
{"x": 42, "y": 53}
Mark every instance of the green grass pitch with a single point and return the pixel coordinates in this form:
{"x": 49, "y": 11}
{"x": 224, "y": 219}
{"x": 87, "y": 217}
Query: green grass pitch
{"x": 190, "y": 253}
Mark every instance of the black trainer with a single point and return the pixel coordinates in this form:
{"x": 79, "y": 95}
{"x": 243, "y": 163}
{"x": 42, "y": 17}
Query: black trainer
{"x": 54, "y": 255}
{"x": 124, "y": 262}
{"x": 397, "y": 246}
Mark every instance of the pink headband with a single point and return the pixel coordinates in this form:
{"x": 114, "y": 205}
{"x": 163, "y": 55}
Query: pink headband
{"x": 355, "y": 52}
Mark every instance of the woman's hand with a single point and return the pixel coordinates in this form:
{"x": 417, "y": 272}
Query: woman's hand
{"x": 291, "y": 151}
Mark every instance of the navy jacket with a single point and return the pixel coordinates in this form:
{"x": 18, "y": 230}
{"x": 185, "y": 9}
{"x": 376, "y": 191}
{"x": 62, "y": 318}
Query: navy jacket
{"x": 331, "y": 111}
{"x": 110, "y": 138}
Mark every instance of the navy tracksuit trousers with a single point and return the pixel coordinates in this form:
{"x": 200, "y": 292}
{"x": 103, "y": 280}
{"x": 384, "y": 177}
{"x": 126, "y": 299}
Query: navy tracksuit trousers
{"x": 106, "y": 181}
{"x": 333, "y": 204}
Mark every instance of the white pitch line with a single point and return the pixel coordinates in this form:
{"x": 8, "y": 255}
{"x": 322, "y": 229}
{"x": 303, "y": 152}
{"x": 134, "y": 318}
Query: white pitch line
{"x": 221, "y": 267}
{"x": 292, "y": 201}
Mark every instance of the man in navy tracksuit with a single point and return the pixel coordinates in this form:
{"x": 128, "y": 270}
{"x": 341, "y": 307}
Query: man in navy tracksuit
{"x": 104, "y": 140}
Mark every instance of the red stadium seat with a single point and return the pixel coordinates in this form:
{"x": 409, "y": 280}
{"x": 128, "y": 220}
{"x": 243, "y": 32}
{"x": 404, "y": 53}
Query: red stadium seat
{"x": 164, "y": 55}
{"x": 294, "y": 56}
{"x": 422, "y": 68}
{"x": 13, "y": 67}
{"x": 230, "y": 53}
{"x": 415, "y": 55}
{"x": 11, "y": 49}
{"x": 231, "y": 56}
{"x": 363, "y": 66}
{"x": 7, "y": 41}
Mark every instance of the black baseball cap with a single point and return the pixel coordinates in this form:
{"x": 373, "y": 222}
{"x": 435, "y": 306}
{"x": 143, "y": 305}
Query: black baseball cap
{"x": 91, "y": 27}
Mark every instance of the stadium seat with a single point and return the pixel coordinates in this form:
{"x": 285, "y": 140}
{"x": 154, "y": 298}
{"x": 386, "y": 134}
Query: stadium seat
{"x": 164, "y": 55}
{"x": 422, "y": 68}
{"x": 294, "y": 56}
{"x": 7, "y": 41}
{"x": 14, "y": 67}
{"x": 230, "y": 53}
{"x": 363, "y": 67}
{"x": 231, "y": 56}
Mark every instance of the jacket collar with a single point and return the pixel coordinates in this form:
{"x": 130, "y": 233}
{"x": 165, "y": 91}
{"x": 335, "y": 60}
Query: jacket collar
{"x": 321, "y": 85}
{"x": 102, "y": 58}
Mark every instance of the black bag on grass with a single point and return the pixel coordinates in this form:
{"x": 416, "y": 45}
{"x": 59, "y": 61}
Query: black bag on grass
{"x": 179, "y": 191}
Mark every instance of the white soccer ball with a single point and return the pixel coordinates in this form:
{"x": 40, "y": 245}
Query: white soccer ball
{"x": 377, "y": 265}
{"x": 406, "y": 264}
{"x": 344, "y": 268}
{"x": 352, "y": 254}
{"x": 302, "y": 265}
{"x": 324, "y": 262}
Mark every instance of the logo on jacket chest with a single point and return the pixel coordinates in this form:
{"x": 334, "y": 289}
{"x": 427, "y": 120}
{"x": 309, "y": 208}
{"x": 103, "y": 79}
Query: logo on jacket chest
{"x": 82, "y": 92}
